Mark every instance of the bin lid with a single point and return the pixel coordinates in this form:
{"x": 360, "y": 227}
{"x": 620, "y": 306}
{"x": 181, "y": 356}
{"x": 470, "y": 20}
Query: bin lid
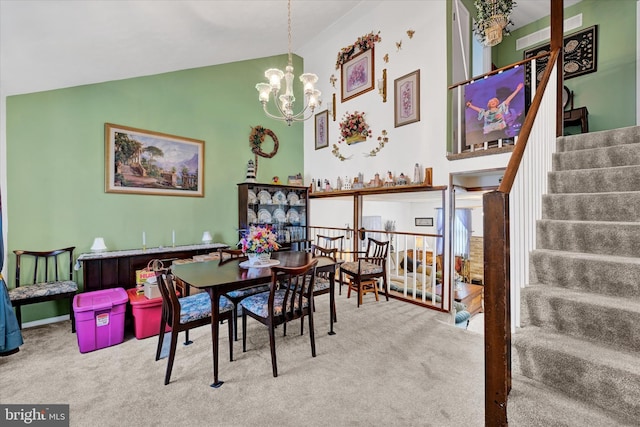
{"x": 135, "y": 299}
{"x": 99, "y": 300}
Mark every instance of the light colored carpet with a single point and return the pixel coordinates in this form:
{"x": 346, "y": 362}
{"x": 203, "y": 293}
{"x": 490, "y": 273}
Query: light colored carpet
{"x": 390, "y": 364}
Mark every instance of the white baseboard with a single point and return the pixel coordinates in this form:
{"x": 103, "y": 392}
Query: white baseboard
{"x": 45, "y": 321}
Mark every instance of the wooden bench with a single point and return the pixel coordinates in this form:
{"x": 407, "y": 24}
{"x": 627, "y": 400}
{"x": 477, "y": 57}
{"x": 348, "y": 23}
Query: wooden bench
{"x": 46, "y": 284}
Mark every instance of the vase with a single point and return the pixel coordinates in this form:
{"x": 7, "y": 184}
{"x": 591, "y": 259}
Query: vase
{"x": 355, "y": 138}
{"x": 259, "y": 258}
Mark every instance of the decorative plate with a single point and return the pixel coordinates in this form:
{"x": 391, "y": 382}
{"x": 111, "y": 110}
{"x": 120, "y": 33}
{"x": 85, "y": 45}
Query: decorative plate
{"x": 293, "y": 198}
{"x": 279, "y": 198}
{"x": 292, "y": 216}
{"x": 279, "y": 215}
{"x": 251, "y": 216}
{"x": 264, "y": 197}
{"x": 264, "y": 216}
{"x": 251, "y": 197}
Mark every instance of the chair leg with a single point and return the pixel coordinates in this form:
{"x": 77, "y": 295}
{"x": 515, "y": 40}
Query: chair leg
{"x": 375, "y": 289}
{"x": 19, "y": 315}
{"x": 172, "y": 355}
{"x": 359, "y": 293}
{"x": 244, "y": 331}
{"x": 163, "y": 326}
{"x": 235, "y": 322}
{"x": 386, "y": 287}
{"x": 312, "y": 336}
{"x": 231, "y": 329}
{"x": 72, "y": 316}
{"x": 187, "y": 341}
{"x": 272, "y": 344}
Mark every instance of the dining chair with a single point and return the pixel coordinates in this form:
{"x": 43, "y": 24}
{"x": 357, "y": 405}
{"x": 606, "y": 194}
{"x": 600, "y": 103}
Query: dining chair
{"x": 365, "y": 271}
{"x": 182, "y": 314}
{"x": 333, "y": 242}
{"x": 322, "y": 284}
{"x": 290, "y": 297}
{"x": 235, "y": 297}
{"x": 51, "y": 278}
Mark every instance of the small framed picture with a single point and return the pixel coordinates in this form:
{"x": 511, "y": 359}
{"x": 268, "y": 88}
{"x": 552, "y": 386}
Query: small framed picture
{"x": 407, "y": 99}
{"x": 424, "y": 222}
{"x": 357, "y": 75}
{"x": 322, "y": 129}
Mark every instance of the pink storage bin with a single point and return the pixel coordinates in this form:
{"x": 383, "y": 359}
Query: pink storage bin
{"x": 100, "y": 318}
{"x": 147, "y": 314}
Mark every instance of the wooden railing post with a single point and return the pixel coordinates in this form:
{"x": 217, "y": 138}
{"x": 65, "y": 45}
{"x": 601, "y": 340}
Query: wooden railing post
{"x": 497, "y": 310}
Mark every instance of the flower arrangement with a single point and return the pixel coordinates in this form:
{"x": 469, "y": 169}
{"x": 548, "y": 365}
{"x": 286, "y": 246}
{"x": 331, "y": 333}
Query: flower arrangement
{"x": 362, "y": 44}
{"x": 354, "y": 125}
{"x": 259, "y": 239}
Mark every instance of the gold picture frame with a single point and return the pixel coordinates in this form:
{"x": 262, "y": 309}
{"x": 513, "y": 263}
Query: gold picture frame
{"x": 139, "y": 161}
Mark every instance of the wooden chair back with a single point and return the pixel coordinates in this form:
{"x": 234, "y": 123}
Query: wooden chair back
{"x": 331, "y": 242}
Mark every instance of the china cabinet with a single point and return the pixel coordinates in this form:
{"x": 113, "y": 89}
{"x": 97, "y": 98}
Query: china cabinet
{"x": 283, "y": 207}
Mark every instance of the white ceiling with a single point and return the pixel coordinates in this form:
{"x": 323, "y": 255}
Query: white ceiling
{"x": 54, "y": 44}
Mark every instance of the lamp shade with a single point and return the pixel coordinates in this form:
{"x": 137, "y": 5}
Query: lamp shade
{"x": 98, "y": 245}
{"x": 206, "y": 237}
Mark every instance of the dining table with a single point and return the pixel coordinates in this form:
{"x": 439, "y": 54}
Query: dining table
{"x": 218, "y": 278}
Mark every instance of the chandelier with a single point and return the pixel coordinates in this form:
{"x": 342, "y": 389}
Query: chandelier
{"x": 284, "y": 103}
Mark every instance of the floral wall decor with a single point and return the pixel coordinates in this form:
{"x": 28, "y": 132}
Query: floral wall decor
{"x": 354, "y": 128}
{"x": 362, "y": 44}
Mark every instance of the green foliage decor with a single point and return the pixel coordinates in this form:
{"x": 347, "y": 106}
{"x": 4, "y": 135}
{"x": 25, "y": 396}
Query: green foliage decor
{"x": 486, "y": 9}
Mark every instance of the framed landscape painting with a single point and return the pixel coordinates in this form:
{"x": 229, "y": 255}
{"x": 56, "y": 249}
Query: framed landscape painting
{"x": 357, "y": 75}
{"x": 139, "y": 161}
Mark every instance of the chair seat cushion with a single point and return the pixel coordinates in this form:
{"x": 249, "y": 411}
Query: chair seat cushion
{"x": 365, "y": 267}
{"x": 259, "y": 303}
{"x": 44, "y": 289}
{"x": 321, "y": 284}
{"x": 242, "y": 293}
{"x": 198, "y": 306}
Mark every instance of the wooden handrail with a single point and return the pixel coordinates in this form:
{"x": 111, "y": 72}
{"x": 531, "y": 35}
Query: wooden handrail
{"x": 516, "y": 156}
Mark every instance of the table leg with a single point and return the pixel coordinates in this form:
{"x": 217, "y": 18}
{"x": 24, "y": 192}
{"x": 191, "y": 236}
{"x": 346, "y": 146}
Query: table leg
{"x": 332, "y": 302}
{"x": 215, "y": 308}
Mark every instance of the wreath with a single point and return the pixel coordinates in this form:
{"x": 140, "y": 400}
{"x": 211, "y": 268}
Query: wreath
{"x": 257, "y": 138}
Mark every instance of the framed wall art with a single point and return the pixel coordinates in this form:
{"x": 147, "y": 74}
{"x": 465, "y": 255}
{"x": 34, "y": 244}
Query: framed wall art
{"x": 424, "y": 222}
{"x": 322, "y": 129}
{"x": 139, "y": 161}
{"x": 407, "y": 99}
{"x": 580, "y": 54}
{"x": 357, "y": 75}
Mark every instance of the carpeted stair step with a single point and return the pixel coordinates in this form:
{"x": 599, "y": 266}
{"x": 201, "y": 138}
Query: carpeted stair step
{"x": 615, "y": 206}
{"x": 605, "y": 138}
{"x": 598, "y": 274}
{"x": 597, "y": 237}
{"x": 594, "y": 158}
{"x": 586, "y": 371}
{"x": 620, "y": 178}
{"x": 609, "y": 320}
{"x": 533, "y": 404}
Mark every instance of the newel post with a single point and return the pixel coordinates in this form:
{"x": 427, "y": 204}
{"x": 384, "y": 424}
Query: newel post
{"x": 497, "y": 310}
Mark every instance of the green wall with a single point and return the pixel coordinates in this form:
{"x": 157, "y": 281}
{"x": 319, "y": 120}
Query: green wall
{"x": 56, "y": 159}
{"x": 609, "y": 93}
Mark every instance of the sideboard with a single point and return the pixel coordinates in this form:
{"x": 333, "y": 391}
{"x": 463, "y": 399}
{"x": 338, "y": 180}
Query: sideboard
{"x": 117, "y": 269}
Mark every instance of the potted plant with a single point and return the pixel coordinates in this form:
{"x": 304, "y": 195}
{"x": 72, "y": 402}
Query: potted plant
{"x": 492, "y": 20}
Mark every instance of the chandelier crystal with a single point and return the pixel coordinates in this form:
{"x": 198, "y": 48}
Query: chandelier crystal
{"x": 285, "y": 102}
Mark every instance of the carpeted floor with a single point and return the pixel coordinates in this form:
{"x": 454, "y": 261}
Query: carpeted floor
{"x": 390, "y": 363}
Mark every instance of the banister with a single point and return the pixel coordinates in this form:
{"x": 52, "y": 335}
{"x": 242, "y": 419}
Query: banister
{"x": 516, "y": 156}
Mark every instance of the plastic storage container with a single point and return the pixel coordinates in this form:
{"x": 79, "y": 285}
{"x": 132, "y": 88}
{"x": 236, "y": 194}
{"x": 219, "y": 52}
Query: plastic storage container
{"x": 147, "y": 314}
{"x": 100, "y": 318}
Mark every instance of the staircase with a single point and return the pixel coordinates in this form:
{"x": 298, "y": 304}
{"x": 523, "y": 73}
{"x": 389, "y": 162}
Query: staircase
{"x": 576, "y": 357}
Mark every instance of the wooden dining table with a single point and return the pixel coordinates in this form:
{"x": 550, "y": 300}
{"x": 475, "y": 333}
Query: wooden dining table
{"x": 217, "y": 279}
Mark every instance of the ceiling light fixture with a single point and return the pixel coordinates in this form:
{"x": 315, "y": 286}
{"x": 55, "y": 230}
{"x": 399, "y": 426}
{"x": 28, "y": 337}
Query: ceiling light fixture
{"x": 286, "y": 100}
